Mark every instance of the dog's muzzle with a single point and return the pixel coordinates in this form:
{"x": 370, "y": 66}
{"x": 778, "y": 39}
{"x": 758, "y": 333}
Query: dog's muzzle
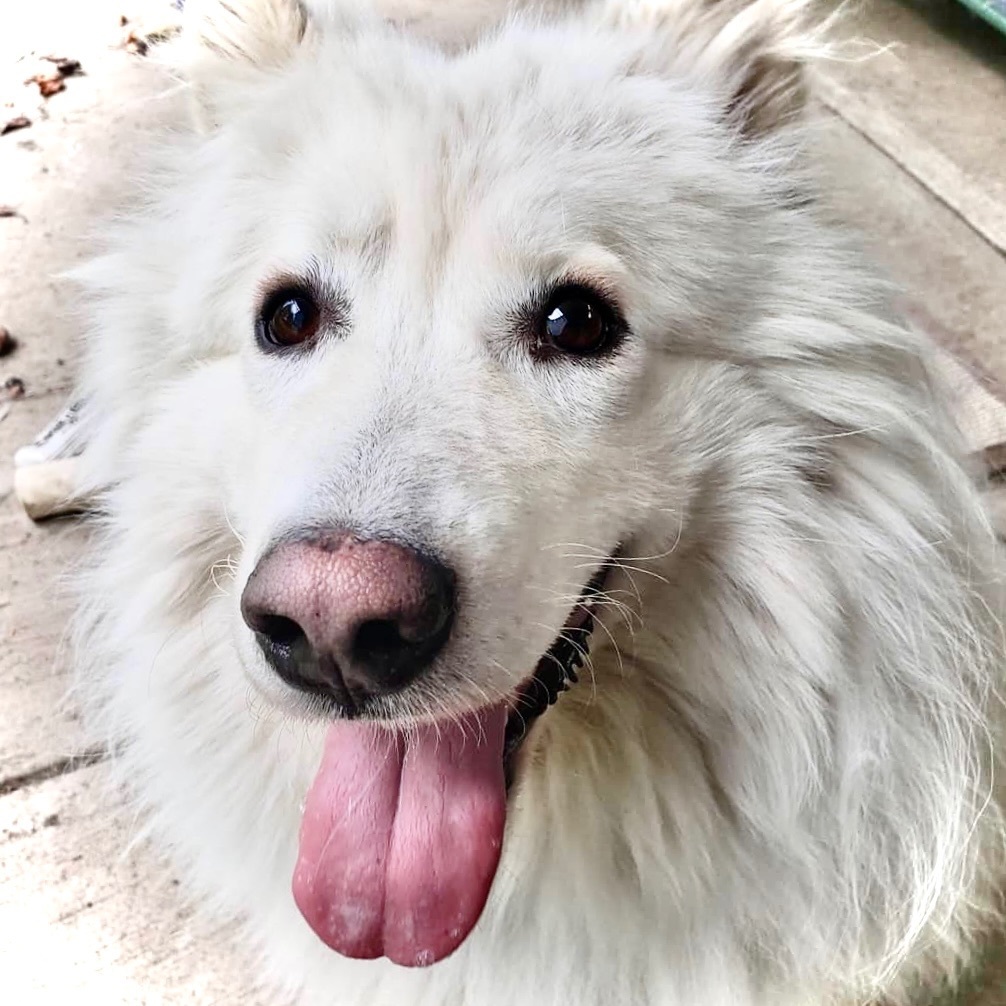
{"x": 403, "y": 826}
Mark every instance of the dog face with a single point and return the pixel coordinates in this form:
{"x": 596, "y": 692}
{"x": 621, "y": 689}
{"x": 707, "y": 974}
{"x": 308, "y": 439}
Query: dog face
{"x": 460, "y": 330}
{"x": 434, "y": 401}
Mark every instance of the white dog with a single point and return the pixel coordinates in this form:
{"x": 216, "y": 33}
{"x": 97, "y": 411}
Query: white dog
{"x": 466, "y": 347}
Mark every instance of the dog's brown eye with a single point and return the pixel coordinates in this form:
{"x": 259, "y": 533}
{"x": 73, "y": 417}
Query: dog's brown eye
{"x": 577, "y": 321}
{"x": 289, "y": 318}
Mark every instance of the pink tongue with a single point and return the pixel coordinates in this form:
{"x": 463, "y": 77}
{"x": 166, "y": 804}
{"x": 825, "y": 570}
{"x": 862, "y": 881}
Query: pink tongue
{"x": 401, "y": 837}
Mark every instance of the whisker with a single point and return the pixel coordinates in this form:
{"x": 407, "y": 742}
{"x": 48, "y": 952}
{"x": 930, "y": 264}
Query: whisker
{"x": 624, "y": 566}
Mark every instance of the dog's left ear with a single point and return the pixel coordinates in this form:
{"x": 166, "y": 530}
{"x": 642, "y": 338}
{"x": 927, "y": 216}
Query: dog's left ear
{"x": 753, "y": 53}
{"x": 226, "y": 44}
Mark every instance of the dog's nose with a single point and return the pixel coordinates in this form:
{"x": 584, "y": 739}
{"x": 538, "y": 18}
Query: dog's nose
{"x": 348, "y": 618}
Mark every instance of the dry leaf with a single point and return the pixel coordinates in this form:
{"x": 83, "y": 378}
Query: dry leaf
{"x": 65, "y": 66}
{"x": 48, "y": 84}
{"x": 18, "y": 122}
{"x": 7, "y": 342}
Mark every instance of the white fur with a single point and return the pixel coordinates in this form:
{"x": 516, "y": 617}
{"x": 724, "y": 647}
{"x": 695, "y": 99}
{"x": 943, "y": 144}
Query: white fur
{"x": 775, "y": 787}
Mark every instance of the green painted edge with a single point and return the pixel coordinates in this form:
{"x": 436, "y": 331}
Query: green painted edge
{"x": 994, "y": 17}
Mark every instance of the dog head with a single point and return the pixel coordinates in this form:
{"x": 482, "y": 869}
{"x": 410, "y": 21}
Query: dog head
{"x": 438, "y": 349}
{"x": 468, "y": 292}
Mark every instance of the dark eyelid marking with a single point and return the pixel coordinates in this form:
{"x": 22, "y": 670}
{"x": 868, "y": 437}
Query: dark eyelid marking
{"x": 332, "y": 301}
{"x": 525, "y": 318}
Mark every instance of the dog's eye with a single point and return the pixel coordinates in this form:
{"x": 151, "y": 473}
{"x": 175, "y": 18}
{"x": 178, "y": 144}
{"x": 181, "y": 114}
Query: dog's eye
{"x": 577, "y": 321}
{"x": 289, "y": 318}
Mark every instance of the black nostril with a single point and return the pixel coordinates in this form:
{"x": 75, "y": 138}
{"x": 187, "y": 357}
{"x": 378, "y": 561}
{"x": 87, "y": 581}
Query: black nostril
{"x": 379, "y": 644}
{"x": 386, "y": 652}
{"x": 377, "y": 636}
{"x": 280, "y": 631}
{"x": 286, "y": 647}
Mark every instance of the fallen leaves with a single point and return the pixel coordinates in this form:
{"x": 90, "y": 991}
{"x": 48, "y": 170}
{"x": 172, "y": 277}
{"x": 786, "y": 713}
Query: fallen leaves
{"x": 65, "y": 66}
{"x": 7, "y": 342}
{"x": 18, "y": 122}
{"x": 48, "y": 84}
{"x": 52, "y": 83}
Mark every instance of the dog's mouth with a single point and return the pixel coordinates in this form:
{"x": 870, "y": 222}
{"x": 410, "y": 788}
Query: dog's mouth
{"x": 556, "y": 671}
{"x": 402, "y": 828}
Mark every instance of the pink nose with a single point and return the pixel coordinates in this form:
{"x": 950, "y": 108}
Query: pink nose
{"x": 348, "y": 618}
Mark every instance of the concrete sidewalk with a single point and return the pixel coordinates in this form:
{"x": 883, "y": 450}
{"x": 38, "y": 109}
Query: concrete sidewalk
{"x": 915, "y": 141}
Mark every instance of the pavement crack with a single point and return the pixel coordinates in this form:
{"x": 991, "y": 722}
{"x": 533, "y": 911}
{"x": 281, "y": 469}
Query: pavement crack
{"x": 61, "y": 766}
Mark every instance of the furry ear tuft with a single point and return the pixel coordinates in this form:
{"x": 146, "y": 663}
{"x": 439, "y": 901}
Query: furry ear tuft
{"x": 262, "y": 33}
{"x": 225, "y": 43}
{"x": 755, "y": 54}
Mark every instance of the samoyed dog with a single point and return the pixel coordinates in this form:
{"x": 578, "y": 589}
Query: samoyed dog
{"x": 538, "y": 568}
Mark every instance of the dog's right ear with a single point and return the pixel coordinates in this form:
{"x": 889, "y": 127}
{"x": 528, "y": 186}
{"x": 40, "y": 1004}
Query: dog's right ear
{"x": 753, "y": 54}
{"x": 227, "y": 44}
